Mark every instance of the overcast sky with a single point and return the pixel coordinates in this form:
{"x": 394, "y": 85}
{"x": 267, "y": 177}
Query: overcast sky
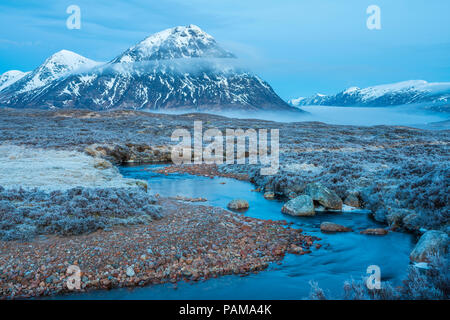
{"x": 300, "y": 47}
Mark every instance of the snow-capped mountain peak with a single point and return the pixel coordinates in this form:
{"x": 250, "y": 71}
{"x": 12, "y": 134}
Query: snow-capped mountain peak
{"x": 174, "y": 43}
{"x": 9, "y": 77}
{"x": 56, "y": 66}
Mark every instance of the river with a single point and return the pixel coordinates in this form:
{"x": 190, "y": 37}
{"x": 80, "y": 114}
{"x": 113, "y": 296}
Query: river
{"x": 343, "y": 256}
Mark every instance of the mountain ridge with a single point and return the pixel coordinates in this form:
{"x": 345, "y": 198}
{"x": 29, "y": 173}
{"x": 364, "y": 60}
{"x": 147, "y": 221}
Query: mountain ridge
{"x": 177, "y": 68}
{"x": 405, "y": 92}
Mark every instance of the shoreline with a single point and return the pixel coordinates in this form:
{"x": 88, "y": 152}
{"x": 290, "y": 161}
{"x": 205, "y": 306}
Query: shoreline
{"x": 191, "y": 243}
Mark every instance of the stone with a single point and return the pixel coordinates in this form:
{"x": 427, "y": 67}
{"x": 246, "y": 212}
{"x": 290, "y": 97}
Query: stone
{"x": 431, "y": 242}
{"x": 302, "y": 205}
{"x": 352, "y": 201}
{"x": 238, "y": 204}
{"x": 326, "y": 197}
{"x": 142, "y": 184}
{"x": 102, "y": 164}
{"x": 333, "y": 227}
{"x": 293, "y": 190}
{"x": 269, "y": 195}
{"x": 395, "y": 218}
{"x": 375, "y": 232}
{"x": 130, "y": 272}
{"x": 411, "y": 222}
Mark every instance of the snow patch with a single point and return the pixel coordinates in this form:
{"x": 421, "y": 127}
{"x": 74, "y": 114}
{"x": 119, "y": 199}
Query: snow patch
{"x": 10, "y": 77}
{"x": 58, "y": 65}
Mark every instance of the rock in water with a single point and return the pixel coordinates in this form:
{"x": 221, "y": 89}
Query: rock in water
{"x": 302, "y": 205}
{"x": 269, "y": 195}
{"x": 238, "y": 204}
{"x": 432, "y": 241}
{"x": 326, "y": 197}
{"x": 375, "y": 232}
{"x": 333, "y": 227}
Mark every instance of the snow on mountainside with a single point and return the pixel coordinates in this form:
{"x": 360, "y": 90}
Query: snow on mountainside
{"x": 296, "y": 102}
{"x": 175, "y": 43}
{"x": 9, "y": 77}
{"x": 58, "y": 65}
{"x": 178, "y": 68}
{"x": 407, "y": 92}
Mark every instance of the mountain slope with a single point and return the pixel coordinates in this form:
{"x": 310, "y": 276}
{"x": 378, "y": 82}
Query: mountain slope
{"x": 58, "y": 65}
{"x": 407, "y": 92}
{"x": 178, "y": 68}
{"x": 9, "y": 77}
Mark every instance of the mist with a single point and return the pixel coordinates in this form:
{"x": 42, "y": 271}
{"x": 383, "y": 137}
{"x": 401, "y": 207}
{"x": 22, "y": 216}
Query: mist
{"x": 405, "y": 115}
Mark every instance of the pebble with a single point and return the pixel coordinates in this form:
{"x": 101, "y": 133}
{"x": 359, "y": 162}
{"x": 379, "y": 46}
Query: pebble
{"x": 191, "y": 243}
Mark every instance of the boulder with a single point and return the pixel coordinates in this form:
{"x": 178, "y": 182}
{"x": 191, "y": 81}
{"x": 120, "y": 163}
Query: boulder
{"x": 326, "y": 197}
{"x": 269, "y": 195}
{"x": 432, "y": 241}
{"x": 352, "y": 201}
{"x": 300, "y": 206}
{"x": 238, "y": 204}
{"x": 375, "y": 232}
{"x": 411, "y": 222}
{"x": 333, "y": 227}
{"x": 293, "y": 190}
{"x": 395, "y": 217}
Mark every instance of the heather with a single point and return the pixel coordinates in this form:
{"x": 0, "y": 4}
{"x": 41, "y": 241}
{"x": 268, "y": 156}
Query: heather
{"x": 401, "y": 174}
{"x": 25, "y": 214}
{"x": 430, "y": 282}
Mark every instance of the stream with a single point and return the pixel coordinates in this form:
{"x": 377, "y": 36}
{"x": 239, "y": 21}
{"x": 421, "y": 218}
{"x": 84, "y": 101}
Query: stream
{"x": 343, "y": 256}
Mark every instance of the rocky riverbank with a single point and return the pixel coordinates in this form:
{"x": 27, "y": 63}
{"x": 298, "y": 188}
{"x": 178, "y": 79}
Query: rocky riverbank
{"x": 191, "y": 243}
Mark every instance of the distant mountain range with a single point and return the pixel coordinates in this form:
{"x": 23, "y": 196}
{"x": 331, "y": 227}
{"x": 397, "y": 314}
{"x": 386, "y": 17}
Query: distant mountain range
{"x": 178, "y": 68}
{"x": 407, "y": 92}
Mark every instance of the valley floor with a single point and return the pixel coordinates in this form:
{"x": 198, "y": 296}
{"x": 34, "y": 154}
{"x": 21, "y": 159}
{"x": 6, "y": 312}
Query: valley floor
{"x": 401, "y": 174}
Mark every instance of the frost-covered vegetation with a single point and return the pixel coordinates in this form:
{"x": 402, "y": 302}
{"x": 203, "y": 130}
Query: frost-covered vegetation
{"x": 27, "y": 213}
{"x": 429, "y": 283}
{"x": 401, "y": 174}
{"x": 50, "y": 169}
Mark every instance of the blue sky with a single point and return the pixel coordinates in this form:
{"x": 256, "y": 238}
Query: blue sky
{"x": 300, "y": 47}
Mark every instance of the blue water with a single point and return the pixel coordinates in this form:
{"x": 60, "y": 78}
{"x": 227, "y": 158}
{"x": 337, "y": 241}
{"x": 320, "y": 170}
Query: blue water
{"x": 343, "y": 255}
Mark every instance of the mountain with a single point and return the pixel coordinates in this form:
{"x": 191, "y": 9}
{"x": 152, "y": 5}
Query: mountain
{"x": 175, "y": 43}
{"x": 9, "y": 77}
{"x": 302, "y": 101}
{"x": 407, "y": 92}
{"x": 178, "y": 68}
{"x": 58, "y": 65}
